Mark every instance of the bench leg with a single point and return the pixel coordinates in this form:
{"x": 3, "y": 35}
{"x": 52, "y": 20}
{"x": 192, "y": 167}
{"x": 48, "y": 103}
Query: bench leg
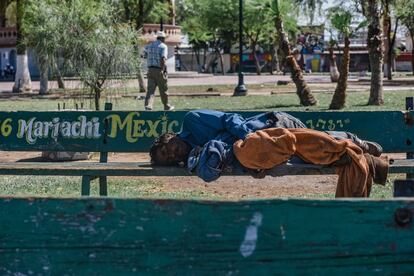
{"x": 103, "y": 187}
{"x": 410, "y": 155}
{"x": 86, "y": 185}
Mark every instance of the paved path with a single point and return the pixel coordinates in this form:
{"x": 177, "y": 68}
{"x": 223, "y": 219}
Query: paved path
{"x": 324, "y": 80}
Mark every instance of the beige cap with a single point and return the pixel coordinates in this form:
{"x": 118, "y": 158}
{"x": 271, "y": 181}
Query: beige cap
{"x": 161, "y": 34}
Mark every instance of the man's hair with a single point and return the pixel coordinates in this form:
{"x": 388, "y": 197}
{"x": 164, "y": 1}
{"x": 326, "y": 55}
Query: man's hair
{"x": 158, "y": 143}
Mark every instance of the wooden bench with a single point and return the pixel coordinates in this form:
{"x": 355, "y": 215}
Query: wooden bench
{"x": 101, "y": 236}
{"x": 170, "y": 237}
{"x": 123, "y": 131}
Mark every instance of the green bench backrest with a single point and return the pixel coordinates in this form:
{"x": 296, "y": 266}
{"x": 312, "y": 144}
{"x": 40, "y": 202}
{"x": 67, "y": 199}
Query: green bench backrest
{"x": 123, "y": 131}
{"x": 165, "y": 237}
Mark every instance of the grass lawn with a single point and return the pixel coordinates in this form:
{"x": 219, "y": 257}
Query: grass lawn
{"x": 134, "y": 187}
{"x": 283, "y": 101}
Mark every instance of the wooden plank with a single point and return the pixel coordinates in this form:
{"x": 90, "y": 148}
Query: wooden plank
{"x": 146, "y": 169}
{"x": 404, "y": 188}
{"x": 115, "y": 236}
{"x": 86, "y": 185}
{"x": 135, "y": 131}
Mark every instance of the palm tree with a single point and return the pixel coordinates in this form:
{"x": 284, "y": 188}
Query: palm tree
{"x": 333, "y": 68}
{"x": 371, "y": 10}
{"x": 341, "y": 21}
{"x": 22, "y": 82}
{"x": 302, "y": 89}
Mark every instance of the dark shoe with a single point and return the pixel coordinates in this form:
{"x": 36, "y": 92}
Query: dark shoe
{"x": 373, "y": 148}
{"x": 378, "y": 168}
{"x": 169, "y": 108}
{"x": 148, "y": 108}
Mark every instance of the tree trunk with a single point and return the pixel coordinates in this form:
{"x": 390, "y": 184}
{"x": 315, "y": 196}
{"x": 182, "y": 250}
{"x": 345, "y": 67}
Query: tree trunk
{"x": 302, "y": 89}
{"x": 97, "y": 95}
{"x": 256, "y": 60}
{"x": 390, "y": 53}
{"x": 412, "y": 51}
{"x": 140, "y": 77}
{"x": 141, "y": 82}
{"x": 221, "y": 61}
{"x": 3, "y": 7}
{"x": 22, "y": 82}
{"x": 204, "y": 60}
{"x": 59, "y": 77}
{"x": 387, "y": 42}
{"x": 275, "y": 62}
{"x": 333, "y": 67}
{"x": 44, "y": 75}
{"x": 197, "y": 56}
{"x": 339, "y": 97}
{"x": 375, "y": 54}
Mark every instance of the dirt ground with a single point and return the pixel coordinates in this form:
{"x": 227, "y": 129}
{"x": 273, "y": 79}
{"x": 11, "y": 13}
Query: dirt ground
{"x": 231, "y": 187}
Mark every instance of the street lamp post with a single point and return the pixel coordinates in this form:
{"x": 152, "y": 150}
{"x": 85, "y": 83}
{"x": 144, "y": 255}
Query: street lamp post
{"x": 240, "y": 89}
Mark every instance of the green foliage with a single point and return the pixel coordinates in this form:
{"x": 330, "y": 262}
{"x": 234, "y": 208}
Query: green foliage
{"x": 139, "y": 12}
{"x": 287, "y": 11}
{"x": 342, "y": 20}
{"x": 87, "y": 34}
{"x": 11, "y": 14}
{"x": 216, "y": 21}
{"x": 210, "y": 21}
{"x": 405, "y": 12}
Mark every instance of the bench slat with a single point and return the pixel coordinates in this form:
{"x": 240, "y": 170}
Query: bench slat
{"x": 126, "y": 236}
{"x": 145, "y": 169}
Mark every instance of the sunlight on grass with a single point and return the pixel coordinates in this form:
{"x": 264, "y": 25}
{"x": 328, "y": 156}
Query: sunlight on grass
{"x": 285, "y": 102}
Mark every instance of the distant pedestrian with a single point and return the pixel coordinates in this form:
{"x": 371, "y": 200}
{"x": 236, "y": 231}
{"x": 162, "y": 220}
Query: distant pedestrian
{"x": 157, "y": 54}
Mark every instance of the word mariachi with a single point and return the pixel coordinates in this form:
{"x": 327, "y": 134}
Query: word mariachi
{"x": 132, "y": 126}
{"x": 82, "y": 128}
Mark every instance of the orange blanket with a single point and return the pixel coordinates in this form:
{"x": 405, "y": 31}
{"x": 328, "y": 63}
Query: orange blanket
{"x": 267, "y": 148}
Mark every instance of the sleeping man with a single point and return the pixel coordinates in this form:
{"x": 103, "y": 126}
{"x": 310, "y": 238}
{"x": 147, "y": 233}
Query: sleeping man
{"x": 205, "y": 143}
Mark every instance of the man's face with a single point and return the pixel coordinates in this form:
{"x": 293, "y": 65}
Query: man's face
{"x": 172, "y": 153}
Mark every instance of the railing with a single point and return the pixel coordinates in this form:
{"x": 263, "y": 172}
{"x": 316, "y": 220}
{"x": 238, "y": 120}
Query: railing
{"x": 8, "y": 36}
{"x": 173, "y": 33}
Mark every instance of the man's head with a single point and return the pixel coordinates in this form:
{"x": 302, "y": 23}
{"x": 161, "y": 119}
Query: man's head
{"x": 169, "y": 150}
{"x": 161, "y": 36}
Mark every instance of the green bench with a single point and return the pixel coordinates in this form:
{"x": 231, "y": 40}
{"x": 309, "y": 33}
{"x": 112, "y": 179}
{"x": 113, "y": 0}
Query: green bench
{"x": 109, "y": 236}
{"x": 122, "y": 131}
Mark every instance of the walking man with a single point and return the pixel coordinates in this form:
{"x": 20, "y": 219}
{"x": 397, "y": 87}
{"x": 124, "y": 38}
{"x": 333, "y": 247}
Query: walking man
{"x": 157, "y": 54}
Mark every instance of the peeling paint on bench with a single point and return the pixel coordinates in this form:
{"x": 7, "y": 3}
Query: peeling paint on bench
{"x": 125, "y": 236}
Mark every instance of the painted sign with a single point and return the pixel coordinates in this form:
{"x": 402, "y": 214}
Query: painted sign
{"x": 78, "y": 129}
{"x": 135, "y": 131}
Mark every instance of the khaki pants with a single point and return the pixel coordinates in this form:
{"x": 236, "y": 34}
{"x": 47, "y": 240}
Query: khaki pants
{"x": 156, "y": 77}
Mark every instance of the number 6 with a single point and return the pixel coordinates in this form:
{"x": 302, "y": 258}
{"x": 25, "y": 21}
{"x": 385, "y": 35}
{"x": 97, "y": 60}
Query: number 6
{"x": 6, "y": 127}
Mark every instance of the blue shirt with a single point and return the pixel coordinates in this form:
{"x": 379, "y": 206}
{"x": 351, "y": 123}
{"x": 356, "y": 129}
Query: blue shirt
{"x": 212, "y": 134}
{"x": 201, "y": 126}
{"x": 155, "y": 52}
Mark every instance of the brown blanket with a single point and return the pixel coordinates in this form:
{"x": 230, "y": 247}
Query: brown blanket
{"x": 267, "y": 148}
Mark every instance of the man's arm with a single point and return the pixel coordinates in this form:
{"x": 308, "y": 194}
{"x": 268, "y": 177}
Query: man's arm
{"x": 236, "y": 125}
{"x": 164, "y": 57}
